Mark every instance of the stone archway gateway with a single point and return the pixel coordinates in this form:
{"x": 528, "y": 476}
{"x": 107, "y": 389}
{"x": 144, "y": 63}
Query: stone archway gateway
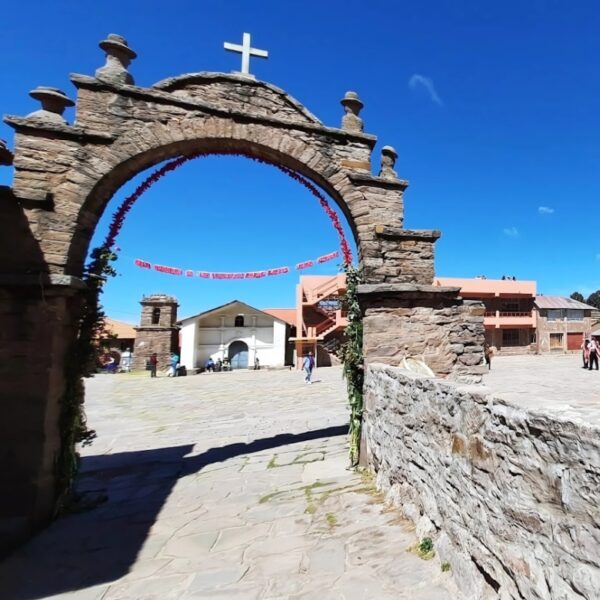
{"x": 64, "y": 176}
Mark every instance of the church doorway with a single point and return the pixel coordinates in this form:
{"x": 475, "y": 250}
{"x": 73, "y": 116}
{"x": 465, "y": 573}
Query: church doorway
{"x": 238, "y": 355}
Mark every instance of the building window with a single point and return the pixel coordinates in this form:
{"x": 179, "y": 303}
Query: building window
{"x": 510, "y": 337}
{"x": 574, "y": 314}
{"x": 556, "y": 341}
{"x": 239, "y": 321}
{"x": 509, "y": 306}
{"x": 554, "y": 314}
{"x": 155, "y": 316}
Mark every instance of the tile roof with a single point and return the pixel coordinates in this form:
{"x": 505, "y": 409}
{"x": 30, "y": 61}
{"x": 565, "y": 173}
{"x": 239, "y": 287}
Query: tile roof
{"x": 120, "y": 329}
{"x": 285, "y": 314}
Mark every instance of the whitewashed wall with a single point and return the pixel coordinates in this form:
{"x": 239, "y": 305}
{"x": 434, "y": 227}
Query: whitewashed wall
{"x": 188, "y": 344}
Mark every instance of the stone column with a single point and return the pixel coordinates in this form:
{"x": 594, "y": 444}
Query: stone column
{"x": 38, "y": 324}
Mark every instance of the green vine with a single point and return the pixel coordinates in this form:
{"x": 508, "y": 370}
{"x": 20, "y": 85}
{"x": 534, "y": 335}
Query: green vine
{"x": 80, "y": 363}
{"x": 352, "y": 359}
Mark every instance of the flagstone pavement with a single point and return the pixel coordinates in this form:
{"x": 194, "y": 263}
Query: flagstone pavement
{"x": 225, "y": 485}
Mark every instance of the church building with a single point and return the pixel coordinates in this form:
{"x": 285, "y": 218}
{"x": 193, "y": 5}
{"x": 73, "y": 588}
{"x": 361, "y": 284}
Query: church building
{"x": 236, "y": 332}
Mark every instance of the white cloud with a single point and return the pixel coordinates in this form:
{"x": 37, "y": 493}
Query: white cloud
{"x": 420, "y": 81}
{"x": 511, "y": 231}
{"x": 545, "y": 210}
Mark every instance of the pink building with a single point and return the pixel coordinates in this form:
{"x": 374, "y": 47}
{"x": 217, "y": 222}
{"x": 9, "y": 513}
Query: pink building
{"x": 510, "y": 319}
{"x": 320, "y": 317}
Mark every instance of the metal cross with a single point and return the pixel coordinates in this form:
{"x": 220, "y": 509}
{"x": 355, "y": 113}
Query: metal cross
{"x": 246, "y": 52}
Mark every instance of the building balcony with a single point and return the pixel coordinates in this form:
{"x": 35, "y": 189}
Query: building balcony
{"x": 515, "y": 320}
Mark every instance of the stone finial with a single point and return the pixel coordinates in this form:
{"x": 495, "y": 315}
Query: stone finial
{"x": 388, "y": 160}
{"x": 54, "y": 102}
{"x": 352, "y": 106}
{"x": 6, "y": 156}
{"x": 118, "y": 57}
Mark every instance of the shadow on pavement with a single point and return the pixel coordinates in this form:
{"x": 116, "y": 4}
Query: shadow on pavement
{"x": 99, "y": 546}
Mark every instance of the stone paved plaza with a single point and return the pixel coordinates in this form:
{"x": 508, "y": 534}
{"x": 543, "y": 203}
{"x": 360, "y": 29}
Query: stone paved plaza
{"x": 556, "y": 384}
{"x": 226, "y": 485}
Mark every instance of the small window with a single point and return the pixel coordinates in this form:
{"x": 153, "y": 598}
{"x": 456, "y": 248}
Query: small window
{"x": 155, "y": 316}
{"x": 554, "y": 314}
{"x": 573, "y": 314}
{"x": 239, "y": 321}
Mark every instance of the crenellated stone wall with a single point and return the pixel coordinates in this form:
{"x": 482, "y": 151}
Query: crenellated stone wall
{"x": 510, "y": 496}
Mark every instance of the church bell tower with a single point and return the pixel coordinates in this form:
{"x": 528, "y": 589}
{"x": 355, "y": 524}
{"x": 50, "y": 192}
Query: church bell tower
{"x": 157, "y": 332}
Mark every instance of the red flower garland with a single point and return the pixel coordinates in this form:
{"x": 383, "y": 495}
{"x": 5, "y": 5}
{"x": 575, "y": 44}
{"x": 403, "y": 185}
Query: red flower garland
{"x": 127, "y": 204}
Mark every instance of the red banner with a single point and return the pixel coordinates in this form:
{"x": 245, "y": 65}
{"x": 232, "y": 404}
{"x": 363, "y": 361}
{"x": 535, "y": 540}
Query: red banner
{"x": 327, "y": 257}
{"x": 241, "y": 275}
{"x": 142, "y": 264}
{"x": 305, "y": 265}
{"x": 169, "y": 270}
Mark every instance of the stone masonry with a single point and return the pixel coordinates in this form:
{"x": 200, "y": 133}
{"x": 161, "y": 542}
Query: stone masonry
{"x": 65, "y": 174}
{"x": 509, "y": 495}
{"x": 157, "y": 331}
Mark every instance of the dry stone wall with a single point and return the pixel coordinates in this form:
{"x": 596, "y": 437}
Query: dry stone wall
{"x": 423, "y": 322}
{"x": 510, "y": 496}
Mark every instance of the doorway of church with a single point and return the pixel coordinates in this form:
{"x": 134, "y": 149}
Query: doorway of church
{"x": 238, "y": 355}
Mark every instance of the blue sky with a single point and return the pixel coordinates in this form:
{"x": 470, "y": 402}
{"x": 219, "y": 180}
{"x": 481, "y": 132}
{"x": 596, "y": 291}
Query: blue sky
{"x": 492, "y": 107}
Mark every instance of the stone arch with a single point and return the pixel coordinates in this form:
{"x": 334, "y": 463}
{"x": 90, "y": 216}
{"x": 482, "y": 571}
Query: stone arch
{"x": 64, "y": 175}
{"x": 127, "y": 158}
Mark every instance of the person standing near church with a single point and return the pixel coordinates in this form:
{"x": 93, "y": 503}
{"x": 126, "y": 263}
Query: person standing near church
{"x": 174, "y": 364}
{"x": 308, "y": 364}
{"x": 593, "y": 349}
{"x": 153, "y": 362}
{"x": 126, "y": 361}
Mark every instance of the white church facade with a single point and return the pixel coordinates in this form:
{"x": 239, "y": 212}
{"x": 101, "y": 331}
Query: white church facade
{"x": 235, "y": 332}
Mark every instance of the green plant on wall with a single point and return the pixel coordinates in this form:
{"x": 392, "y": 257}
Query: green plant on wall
{"x": 81, "y": 363}
{"x": 352, "y": 359}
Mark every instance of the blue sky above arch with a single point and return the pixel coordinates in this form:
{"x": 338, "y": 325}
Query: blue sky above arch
{"x": 492, "y": 107}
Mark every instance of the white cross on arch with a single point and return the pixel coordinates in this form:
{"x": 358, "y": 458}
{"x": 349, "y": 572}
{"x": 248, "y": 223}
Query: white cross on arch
{"x": 246, "y": 51}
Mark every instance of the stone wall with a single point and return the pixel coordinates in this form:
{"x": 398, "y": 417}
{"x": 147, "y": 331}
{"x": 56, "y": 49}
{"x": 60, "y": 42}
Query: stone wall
{"x": 428, "y": 323}
{"x": 509, "y": 496}
{"x": 37, "y": 325}
{"x": 162, "y": 340}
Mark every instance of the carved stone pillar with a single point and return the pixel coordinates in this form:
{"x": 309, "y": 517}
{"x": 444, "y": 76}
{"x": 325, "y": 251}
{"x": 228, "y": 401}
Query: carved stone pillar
{"x": 118, "y": 58}
{"x": 352, "y": 106}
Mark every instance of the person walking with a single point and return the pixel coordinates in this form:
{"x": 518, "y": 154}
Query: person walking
{"x": 174, "y": 364}
{"x": 153, "y": 362}
{"x": 308, "y": 364}
{"x": 126, "y": 359}
{"x": 488, "y": 356}
{"x": 593, "y": 349}
{"x": 585, "y": 347}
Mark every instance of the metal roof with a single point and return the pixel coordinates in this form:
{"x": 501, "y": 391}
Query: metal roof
{"x": 560, "y": 302}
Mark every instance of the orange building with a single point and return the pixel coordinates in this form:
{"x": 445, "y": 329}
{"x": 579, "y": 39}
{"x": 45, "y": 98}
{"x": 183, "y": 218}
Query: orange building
{"x": 320, "y": 317}
{"x": 510, "y": 320}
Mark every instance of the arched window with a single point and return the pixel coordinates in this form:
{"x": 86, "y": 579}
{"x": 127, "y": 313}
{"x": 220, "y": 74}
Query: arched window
{"x": 239, "y": 321}
{"x": 155, "y": 316}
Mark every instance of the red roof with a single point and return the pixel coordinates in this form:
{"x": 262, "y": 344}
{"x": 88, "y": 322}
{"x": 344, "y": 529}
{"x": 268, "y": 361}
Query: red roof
{"x": 123, "y": 331}
{"x": 285, "y": 314}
